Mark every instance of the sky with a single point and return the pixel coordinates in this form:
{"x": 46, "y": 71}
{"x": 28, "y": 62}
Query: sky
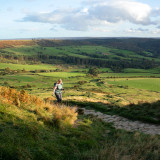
{"x": 79, "y": 18}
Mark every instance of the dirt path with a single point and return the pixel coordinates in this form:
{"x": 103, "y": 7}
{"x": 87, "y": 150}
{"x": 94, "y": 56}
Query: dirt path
{"x": 124, "y": 123}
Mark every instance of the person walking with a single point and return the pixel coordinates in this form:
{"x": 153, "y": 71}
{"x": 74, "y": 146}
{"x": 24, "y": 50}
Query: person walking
{"x": 57, "y": 90}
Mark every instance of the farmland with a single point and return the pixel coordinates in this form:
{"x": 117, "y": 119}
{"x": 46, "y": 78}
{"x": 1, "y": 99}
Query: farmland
{"x": 42, "y": 63}
{"x": 26, "y": 67}
{"x": 117, "y": 89}
{"x": 120, "y": 86}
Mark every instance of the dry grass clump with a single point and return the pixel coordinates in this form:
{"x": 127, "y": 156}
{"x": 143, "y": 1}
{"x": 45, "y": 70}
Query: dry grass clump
{"x": 18, "y": 98}
{"x": 65, "y": 115}
{"x": 58, "y": 115}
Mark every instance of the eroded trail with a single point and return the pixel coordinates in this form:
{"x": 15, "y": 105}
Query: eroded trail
{"x": 124, "y": 123}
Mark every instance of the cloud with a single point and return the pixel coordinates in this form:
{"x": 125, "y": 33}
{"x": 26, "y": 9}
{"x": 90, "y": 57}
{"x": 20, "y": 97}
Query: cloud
{"x": 138, "y": 30}
{"x": 97, "y": 12}
{"x": 53, "y": 29}
{"x": 156, "y": 31}
{"x": 156, "y": 12}
{"x": 123, "y": 10}
{"x": 72, "y": 19}
{"x": 143, "y": 30}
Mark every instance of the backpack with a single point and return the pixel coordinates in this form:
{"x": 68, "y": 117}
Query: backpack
{"x": 55, "y": 86}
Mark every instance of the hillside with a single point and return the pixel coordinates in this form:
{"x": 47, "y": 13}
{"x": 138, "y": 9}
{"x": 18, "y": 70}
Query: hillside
{"x": 111, "y": 99}
{"x": 35, "y": 130}
{"x": 116, "y": 54}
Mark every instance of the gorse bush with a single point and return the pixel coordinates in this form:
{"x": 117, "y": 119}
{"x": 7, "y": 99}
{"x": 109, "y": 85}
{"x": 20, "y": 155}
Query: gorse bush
{"x": 12, "y": 96}
{"x": 50, "y": 113}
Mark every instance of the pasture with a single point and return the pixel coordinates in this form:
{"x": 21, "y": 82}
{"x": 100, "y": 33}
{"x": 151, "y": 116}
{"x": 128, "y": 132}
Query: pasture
{"x": 152, "y": 84}
{"x": 129, "y": 75}
{"x": 62, "y": 74}
{"x": 108, "y": 87}
{"x": 27, "y": 67}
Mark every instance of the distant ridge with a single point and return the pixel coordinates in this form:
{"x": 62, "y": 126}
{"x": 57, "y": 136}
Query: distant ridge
{"x": 80, "y": 38}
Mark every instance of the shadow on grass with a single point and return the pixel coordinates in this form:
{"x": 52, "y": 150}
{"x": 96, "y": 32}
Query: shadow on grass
{"x": 146, "y": 112}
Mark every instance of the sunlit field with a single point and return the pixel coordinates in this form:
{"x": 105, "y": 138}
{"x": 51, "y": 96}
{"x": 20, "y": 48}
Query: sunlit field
{"x": 26, "y": 66}
{"x": 28, "y": 107}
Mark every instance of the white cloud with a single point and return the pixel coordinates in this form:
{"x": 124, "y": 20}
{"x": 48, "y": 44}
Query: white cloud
{"x": 97, "y": 13}
{"x": 123, "y": 10}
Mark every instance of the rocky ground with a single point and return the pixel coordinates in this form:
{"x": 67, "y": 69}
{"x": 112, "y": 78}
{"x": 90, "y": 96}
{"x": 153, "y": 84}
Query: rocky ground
{"x": 124, "y": 123}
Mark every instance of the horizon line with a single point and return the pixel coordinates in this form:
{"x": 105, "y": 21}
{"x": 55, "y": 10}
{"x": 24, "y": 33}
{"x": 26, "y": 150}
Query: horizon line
{"x": 70, "y": 38}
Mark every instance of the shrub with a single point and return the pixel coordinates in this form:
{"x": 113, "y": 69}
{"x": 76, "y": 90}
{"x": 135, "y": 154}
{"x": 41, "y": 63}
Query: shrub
{"x": 93, "y": 71}
{"x": 82, "y": 82}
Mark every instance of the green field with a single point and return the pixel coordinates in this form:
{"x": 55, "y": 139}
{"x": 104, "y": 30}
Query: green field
{"x": 26, "y": 66}
{"x": 107, "y": 87}
{"x": 133, "y": 70}
{"x": 130, "y": 75}
{"x": 146, "y": 84}
{"x": 62, "y": 74}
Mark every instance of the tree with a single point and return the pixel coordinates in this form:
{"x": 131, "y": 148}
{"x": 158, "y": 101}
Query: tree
{"x": 93, "y": 71}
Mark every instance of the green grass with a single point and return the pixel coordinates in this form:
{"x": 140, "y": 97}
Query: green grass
{"x": 88, "y": 49}
{"x": 77, "y": 51}
{"x": 22, "y": 78}
{"x": 133, "y": 70}
{"x": 134, "y": 94}
{"x": 23, "y": 50}
{"x": 132, "y": 74}
{"x": 90, "y": 138}
{"x": 105, "y": 70}
{"x": 96, "y": 88}
{"x": 26, "y": 66}
{"x": 42, "y": 140}
{"x": 152, "y": 84}
{"x": 62, "y": 74}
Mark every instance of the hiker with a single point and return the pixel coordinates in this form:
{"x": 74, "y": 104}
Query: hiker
{"x": 57, "y": 90}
